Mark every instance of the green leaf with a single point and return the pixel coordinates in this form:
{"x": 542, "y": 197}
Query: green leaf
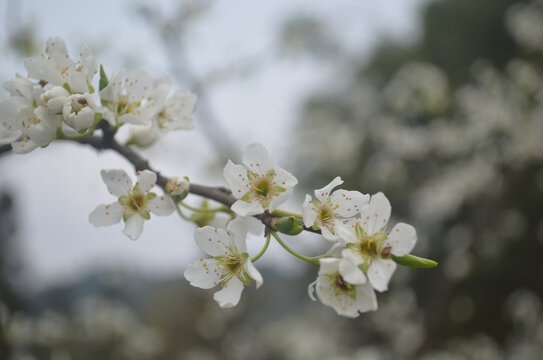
{"x": 67, "y": 87}
{"x": 414, "y": 261}
{"x": 103, "y": 79}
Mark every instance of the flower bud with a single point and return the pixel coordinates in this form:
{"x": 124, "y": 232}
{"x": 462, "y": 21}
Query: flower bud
{"x": 79, "y": 111}
{"x": 55, "y": 98}
{"x": 289, "y": 225}
{"x": 177, "y": 186}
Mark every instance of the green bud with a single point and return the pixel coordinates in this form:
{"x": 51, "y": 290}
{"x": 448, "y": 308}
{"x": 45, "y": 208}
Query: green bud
{"x": 289, "y": 225}
{"x": 414, "y": 261}
{"x": 103, "y": 79}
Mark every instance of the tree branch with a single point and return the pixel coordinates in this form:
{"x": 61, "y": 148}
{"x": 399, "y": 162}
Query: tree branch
{"x": 107, "y": 141}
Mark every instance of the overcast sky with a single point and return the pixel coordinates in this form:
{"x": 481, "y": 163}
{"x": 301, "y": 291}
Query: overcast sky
{"x": 57, "y": 187}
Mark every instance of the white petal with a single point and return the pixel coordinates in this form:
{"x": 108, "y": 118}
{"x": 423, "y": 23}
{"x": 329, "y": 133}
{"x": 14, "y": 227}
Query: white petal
{"x": 348, "y": 203}
{"x": 380, "y": 272}
{"x": 308, "y": 211}
{"x": 161, "y": 205}
{"x": 237, "y": 230}
{"x": 253, "y": 273}
{"x": 328, "y": 265}
{"x": 106, "y": 215}
{"x": 341, "y": 302}
{"x": 236, "y": 177}
{"x": 146, "y": 180}
{"x": 375, "y": 216}
{"x": 365, "y": 298}
{"x": 336, "y": 250}
{"x": 350, "y": 272}
{"x": 134, "y": 226}
{"x": 245, "y": 208}
{"x": 324, "y": 193}
{"x": 230, "y": 294}
{"x": 402, "y": 238}
{"x": 117, "y": 181}
{"x": 204, "y": 274}
{"x": 346, "y": 231}
{"x": 328, "y": 235}
{"x": 283, "y": 178}
{"x": 254, "y": 225}
{"x": 279, "y": 200}
{"x": 256, "y": 158}
{"x": 212, "y": 241}
{"x": 24, "y": 146}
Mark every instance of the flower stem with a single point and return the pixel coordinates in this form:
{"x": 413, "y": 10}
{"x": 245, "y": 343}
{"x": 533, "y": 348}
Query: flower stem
{"x": 204, "y": 210}
{"x": 312, "y": 260}
{"x": 257, "y": 256}
{"x": 181, "y": 212}
{"x": 287, "y": 213}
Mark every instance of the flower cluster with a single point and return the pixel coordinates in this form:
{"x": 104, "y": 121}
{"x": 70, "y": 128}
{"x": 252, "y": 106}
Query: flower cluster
{"x": 359, "y": 262}
{"x": 57, "y": 98}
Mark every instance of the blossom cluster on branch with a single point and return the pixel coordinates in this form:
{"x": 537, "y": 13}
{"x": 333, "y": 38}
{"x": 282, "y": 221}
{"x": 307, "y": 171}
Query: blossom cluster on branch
{"x": 57, "y": 100}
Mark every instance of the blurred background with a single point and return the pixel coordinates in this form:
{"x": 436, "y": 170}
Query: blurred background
{"x": 439, "y": 104}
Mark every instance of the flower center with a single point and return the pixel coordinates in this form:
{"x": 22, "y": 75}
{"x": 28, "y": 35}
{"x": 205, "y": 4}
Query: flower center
{"x": 371, "y": 246}
{"x": 137, "y": 202}
{"x": 262, "y": 187}
{"x": 341, "y": 287}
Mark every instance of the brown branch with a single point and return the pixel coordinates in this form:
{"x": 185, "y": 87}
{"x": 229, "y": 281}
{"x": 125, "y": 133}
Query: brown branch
{"x": 107, "y": 141}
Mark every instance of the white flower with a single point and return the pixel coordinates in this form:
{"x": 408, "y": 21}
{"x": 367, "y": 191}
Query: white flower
{"x": 340, "y": 204}
{"x": 369, "y": 247}
{"x": 55, "y": 98}
{"x": 79, "y": 111}
{"x": 258, "y": 185}
{"x": 23, "y": 123}
{"x": 177, "y": 185}
{"x": 132, "y": 98}
{"x": 134, "y": 204}
{"x": 333, "y": 290}
{"x": 55, "y": 66}
{"x": 230, "y": 264}
{"x": 176, "y": 113}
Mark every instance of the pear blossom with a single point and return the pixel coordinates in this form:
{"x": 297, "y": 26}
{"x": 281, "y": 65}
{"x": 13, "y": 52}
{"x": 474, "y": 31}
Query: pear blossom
{"x": 369, "y": 247}
{"x": 134, "y": 204}
{"x": 347, "y": 299}
{"x": 176, "y": 113}
{"x": 79, "y": 111}
{"x": 132, "y": 98}
{"x": 23, "y": 121}
{"x": 54, "y": 66}
{"x": 229, "y": 266}
{"x": 259, "y": 184}
{"x": 340, "y": 204}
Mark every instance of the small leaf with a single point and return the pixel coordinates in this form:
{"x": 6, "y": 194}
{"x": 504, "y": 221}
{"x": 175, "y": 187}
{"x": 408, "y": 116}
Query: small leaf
{"x": 414, "y": 261}
{"x": 103, "y": 79}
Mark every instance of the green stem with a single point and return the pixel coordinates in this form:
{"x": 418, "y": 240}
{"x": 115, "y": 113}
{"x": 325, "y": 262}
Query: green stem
{"x": 312, "y": 260}
{"x": 181, "y": 212}
{"x": 257, "y": 256}
{"x": 287, "y": 213}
